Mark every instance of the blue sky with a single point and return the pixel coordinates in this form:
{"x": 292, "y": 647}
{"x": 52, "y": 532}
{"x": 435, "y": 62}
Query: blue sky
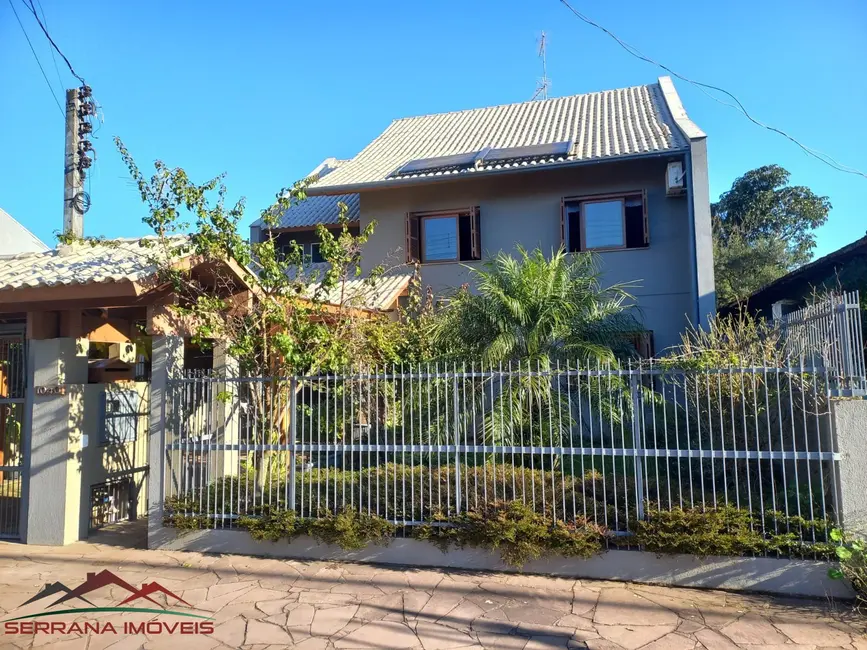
{"x": 265, "y": 90}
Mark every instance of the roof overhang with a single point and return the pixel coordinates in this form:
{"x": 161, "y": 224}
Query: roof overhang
{"x": 328, "y": 226}
{"x": 63, "y": 297}
{"x": 121, "y": 293}
{"x": 392, "y": 183}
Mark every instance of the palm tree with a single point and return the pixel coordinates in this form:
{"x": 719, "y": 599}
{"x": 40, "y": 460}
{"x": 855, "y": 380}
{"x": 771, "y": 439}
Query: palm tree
{"x": 531, "y": 309}
{"x": 533, "y": 312}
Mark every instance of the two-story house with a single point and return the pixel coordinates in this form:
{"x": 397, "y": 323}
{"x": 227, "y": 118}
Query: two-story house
{"x": 621, "y": 172}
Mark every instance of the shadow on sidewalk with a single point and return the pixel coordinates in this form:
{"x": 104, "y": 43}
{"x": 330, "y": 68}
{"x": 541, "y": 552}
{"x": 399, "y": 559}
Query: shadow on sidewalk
{"x": 125, "y": 534}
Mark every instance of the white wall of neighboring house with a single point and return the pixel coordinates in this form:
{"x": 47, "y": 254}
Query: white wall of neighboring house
{"x": 15, "y": 238}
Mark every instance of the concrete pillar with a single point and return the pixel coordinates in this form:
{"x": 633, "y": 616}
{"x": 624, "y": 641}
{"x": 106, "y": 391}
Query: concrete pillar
{"x": 52, "y": 501}
{"x": 850, "y": 429}
{"x": 226, "y": 412}
{"x": 167, "y": 359}
{"x": 699, "y": 194}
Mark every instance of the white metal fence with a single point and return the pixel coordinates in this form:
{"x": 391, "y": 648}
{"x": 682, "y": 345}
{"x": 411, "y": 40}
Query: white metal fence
{"x": 830, "y": 332}
{"x": 598, "y": 444}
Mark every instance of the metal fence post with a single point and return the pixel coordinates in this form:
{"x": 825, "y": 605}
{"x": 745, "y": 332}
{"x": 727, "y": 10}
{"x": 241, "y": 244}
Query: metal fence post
{"x": 456, "y": 418}
{"x": 635, "y": 390}
{"x": 848, "y": 370}
{"x": 293, "y": 429}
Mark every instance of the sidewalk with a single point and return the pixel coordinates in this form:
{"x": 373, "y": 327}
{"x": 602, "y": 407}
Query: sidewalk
{"x": 265, "y": 604}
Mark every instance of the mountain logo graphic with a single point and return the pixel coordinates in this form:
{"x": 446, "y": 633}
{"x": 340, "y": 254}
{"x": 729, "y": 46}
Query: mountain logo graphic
{"x": 62, "y": 594}
{"x": 51, "y": 589}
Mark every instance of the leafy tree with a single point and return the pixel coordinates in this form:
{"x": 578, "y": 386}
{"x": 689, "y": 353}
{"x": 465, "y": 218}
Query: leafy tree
{"x": 301, "y": 321}
{"x": 763, "y": 228}
{"x": 286, "y": 319}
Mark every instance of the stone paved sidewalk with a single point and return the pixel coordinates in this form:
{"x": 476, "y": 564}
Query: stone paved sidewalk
{"x": 266, "y": 604}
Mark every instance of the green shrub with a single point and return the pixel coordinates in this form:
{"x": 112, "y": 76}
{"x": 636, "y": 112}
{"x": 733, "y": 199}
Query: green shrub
{"x": 516, "y": 531}
{"x": 350, "y": 530}
{"x": 852, "y": 554}
{"x": 187, "y": 523}
{"x": 725, "y": 530}
{"x": 571, "y": 540}
{"x": 521, "y": 533}
{"x": 271, "y": 524}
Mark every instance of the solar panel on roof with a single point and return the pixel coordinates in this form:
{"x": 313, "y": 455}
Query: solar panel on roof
{"x": 426, "y": 165}
{"x": 531, "y": 151}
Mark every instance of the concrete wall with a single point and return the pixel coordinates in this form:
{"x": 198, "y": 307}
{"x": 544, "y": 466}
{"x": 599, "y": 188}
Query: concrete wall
{"x": 771, "y": 575}
{"x": 52, "y": 440}
{"x": 61, "y": 442}
{"x": 525, "y": 209}
{"x": 849, "y": 418}
{"x": 112, "y": 462}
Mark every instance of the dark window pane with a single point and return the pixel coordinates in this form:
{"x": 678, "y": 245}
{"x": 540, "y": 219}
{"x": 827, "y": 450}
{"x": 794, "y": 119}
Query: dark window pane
{"x": 635, "y": 223}
{"x": 465, "y": 237}
{"x": 573, "y": 227}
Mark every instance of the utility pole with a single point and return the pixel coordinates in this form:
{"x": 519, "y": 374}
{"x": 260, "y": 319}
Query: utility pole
{"x": 73, "y": 220}
{"x": 79, "y": 105}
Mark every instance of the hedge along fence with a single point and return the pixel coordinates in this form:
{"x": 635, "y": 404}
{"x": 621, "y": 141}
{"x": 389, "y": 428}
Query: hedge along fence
{"x": 417, "y": 494}
{"x": 603, "y": 447}
{"x": 369, "y": 502}
{"x": 521, "y": 534}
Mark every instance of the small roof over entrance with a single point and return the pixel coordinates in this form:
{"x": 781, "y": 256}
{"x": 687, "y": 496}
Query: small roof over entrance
{"x": 111, "y": 275}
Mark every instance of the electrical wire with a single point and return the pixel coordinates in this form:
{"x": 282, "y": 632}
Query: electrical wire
{"x": 41, "y": 69}
{"x": 32, "y": 9}
{"x": 818, "y": 155}
{"x": 53, "y": 58}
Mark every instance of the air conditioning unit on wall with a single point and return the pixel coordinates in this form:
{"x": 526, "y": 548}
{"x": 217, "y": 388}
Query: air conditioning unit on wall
{"x": 675, "y": 179}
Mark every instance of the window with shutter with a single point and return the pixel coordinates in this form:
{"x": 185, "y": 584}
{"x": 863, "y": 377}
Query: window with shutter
{"x": 605, "y": 222}
{"x": 476, "y": 234}
{"x": 444, "y": 236}
{"x": 413, "y": 248}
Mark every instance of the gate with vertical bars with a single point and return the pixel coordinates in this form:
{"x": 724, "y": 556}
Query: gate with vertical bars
{"x": 13, "y": 383}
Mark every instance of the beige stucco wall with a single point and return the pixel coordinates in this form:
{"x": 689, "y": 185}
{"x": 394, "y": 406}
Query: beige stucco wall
{"x": 100, "y": 463}
{"x": 524, "y": 209}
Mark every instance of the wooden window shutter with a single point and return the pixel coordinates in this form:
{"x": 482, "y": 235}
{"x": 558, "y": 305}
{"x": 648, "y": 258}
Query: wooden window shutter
{"x": 476, "y": 233}
{"x": 413, "y": 247}
{"x": 563, "y": 242}
{"x": 646, "y": 220}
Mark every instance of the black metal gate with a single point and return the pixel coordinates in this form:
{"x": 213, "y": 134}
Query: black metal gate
{"x": 13, "y": 386}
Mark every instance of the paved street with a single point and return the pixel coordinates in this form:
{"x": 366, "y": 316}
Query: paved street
{"x": 269, "y": 604}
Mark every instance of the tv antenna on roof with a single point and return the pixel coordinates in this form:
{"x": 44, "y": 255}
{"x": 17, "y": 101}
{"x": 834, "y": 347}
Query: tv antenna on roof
{"x": 544, "y": 82}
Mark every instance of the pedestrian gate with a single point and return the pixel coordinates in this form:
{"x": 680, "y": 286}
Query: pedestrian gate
{"x": 13, "y": 384}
